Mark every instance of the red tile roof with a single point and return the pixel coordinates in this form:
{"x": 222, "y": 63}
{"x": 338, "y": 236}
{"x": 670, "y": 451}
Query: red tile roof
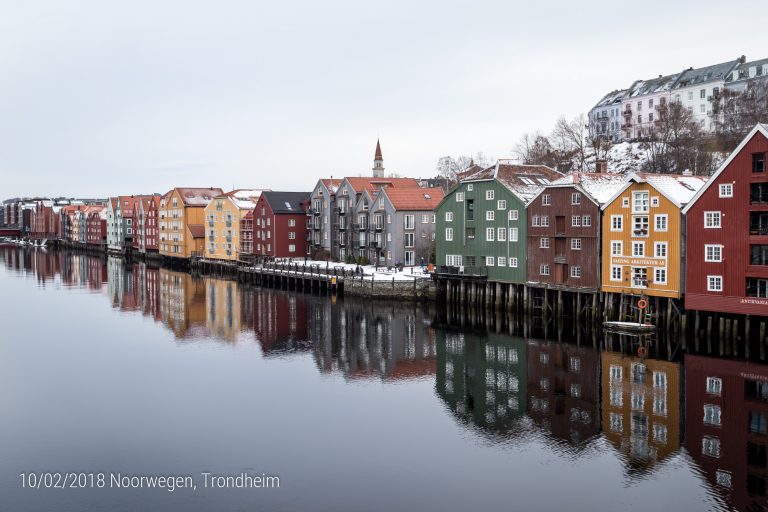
{"x": 419, "y": 199}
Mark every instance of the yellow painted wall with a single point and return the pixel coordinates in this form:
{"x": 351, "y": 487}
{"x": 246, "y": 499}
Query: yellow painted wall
{"x": 221, "y": 208}
{"x": 672, "y": 263}
{"x": 174, "y": 226}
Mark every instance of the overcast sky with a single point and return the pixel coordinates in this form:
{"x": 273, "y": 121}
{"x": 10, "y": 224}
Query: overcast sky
{"x": 103, "y": 98}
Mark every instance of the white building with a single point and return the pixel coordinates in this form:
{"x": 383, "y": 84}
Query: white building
{"x": 696, "y": 89}
{"x": 605, "y": 118}
{"x": 641, "y": 103}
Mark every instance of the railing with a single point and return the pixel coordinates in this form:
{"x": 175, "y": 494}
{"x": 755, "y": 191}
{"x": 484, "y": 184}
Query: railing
{"x": 561, "y": 258}
{"x": 467, "y": 271}
{"x": 762, "y": 230}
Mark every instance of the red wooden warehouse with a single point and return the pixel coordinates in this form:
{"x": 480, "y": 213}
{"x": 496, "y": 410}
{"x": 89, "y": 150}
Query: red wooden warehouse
{"x": 727, "y": 234}
{"x": 280, "y": 224}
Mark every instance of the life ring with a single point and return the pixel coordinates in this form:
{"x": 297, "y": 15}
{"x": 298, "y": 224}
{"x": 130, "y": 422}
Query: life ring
{"x": 641, "y": 351}
{"x": 642, "y": 304}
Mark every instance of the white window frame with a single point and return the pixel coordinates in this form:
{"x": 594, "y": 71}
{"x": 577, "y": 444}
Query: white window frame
{"x": 490, "y": 234}
{"x": 717, "y": 253}
{"x": 617, "y": 244}
{"x": 513, "y": 214}
{"x": 449, "y": 234}
{"x": 490, "y": 215}
{"x": 726, "y": 190}
{"x": 661, "y": 217}
{"x": 575, "y": 198}
{"x": 659, "y": 245}
{"x": 489, "y": 195}
{"x": 575, "y": 244}
{"x": 617, "y": 219}
{"x": 513, "y": 234}
{"x": 490, "y": 261}
{"x": 501, "y": 234}
{"x": 501, "y": 204}
{"x": 714, "y": 283}
{"x": 716, "y": 220}
{"x": 576, "y": 272}
{"x": 513, "y": 262}
{"x": 544, "y": 242}
{"x": 657, "y": 273}
{"x": 448, "y": 217}
{"x": 544, "y": 269}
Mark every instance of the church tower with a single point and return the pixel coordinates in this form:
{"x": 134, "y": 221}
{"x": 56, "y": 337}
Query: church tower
{"x": 378, "y": 162}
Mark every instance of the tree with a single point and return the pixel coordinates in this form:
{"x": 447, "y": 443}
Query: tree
{"x": 736, "y": 113}
{"x": 572, "y": 139}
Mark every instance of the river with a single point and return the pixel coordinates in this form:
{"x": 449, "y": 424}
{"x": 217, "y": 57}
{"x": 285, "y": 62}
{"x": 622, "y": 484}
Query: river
{"x": 132, "y": 370}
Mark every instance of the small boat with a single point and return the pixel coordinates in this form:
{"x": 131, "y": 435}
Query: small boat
{"x": 630, "y": 327}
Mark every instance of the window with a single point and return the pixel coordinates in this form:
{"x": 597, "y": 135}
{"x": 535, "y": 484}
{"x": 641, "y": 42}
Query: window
{"x": 714, "y": 385}
{"x": 712, "y": 414}
{"x": 425, "y": 219}
{"x": 660, "y": 275}
{"x": 638, "y": 248}
{"x": 575, "y": 221}
{"x": 489, "y": 195}
{"x": 726, "y": 190}
{"x": 586, "y": 221}
{"x": 501, "y": 261}
{"x": 470, "y": 187}
{"x": 408, "y": 238}
{"x": 615, "y": 273}
{"x": 660, "y": 249}
{"x": 470, "y": 209}
{"x": 459, "y": 197}
{"x": 453, "y": 260}
{"x": 617, "y": 422}
{"x": 655, "y": 201}
{"x": 501, "y": 234}
{"x": 545, "y": 221}
{"x": 448, "y": 217}
{"x": 713, "y": 253}
{"x": 546, "y": 200}
{"x": 291, "y": 235}
{"x": 489, "y": 234}
{"x": 616, "y": 373}
{"x": 703, "y": 93}
{"x": 710, "y": 446}
{"x": 625, "y": 202}
{"x": 544, "y": 242}
{"x": 544, "y": 270}
{"x": 490, "y": 215}
{"x": 513, "y": 234}
{"x": 660, "y": 222}
{"x": 714, "y": 283}
{"x": 535, "y": 221}
{"x": 660, "y": 433}
{"x": 448, "y": 234}
{"x": 617, "y": 248}
{"x": 576, "y": 272}
{"x": 640, "y": 202}
{"x": 639, "y": 277}
{"x": 758, "y": 162}
{"x": 291, "y": 223}
{"x": 576, "y": 244}
{"x": 489, "y": 261}
{"x": 574, "y": 364}
{"x": 291, "y": 248}
{"x": 617, "y": 222}
{"x": 757, "y": 287}
{"x": 501, "y": 204}
{"x": 513, "y": 262}
{"x": 513, "y": 215}
{"x": 637, "y": 400}
{"x": 712, "y": 220}
{"x": 576, "y": 198}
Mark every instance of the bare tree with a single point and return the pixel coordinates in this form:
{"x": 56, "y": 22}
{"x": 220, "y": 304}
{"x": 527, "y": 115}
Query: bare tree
{"x": 572, "y": 137}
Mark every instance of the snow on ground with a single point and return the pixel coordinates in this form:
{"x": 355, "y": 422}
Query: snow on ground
{"x": 623, "y": 157}
{"x": 369, "y": 271}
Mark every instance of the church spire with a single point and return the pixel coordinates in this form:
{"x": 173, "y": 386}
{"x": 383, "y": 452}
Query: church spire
{"x": 378, "y": 162}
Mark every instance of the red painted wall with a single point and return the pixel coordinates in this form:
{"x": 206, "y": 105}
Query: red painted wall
{"x": 734, "y": 236}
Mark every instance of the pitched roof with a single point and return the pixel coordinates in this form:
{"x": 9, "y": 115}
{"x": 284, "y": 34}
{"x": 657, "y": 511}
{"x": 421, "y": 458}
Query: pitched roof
{"x": 410, "y": 199}
{"x": 598, "y": 186}
{"x": 469, "y": 171}
{"x": 378, "y": 151}
{"x": 706, "y": 74}
{"x": 652, "y": 86}
{"x": 525, "y": 181}
{"x": 197, "y": 196}
{"x": 741, "y": 72}
{"x": 762, "y": 128}
{"x": 611, "y": 98}
{"x": 244, "y": 199}
{"x": 286, "y": 202}
{"x": 331, "y": 184}
{"x": 677, "y": 188}
{"x": 372, "y": 184}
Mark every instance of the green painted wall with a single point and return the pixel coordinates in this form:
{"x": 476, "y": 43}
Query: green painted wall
{"x": 479, "y": 247}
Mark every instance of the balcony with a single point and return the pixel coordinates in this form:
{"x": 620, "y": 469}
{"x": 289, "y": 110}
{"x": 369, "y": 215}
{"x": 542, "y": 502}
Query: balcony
{"x": 362, "y": 227}
{"x": 361, "y": 245}
{"x": 378, "y": 228}
{"x": 341, "y": 211}
{"x": 313, "y": 211}
{"x": 210, "y": 223}
{"x": 561, "y": 258}
{"x": 229, "y": 223}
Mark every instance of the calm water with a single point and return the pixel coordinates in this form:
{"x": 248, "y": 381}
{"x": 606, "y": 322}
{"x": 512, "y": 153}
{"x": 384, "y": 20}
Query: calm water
{"x": 355, "y": 406}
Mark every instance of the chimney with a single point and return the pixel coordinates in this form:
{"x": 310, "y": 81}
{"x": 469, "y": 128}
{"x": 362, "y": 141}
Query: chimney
{"x": 601, "y": 166}
{"x": 659, "y": 76}
{"x": 743, "y": 59}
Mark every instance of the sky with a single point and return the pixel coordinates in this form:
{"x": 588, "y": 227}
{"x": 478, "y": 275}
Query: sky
{"x": 100, "y": 98}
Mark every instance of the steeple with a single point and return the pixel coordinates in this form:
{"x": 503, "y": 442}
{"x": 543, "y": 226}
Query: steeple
{"x": 378, "y": 162}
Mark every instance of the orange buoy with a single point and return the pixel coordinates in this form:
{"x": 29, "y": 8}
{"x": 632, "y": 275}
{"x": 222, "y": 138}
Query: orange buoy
{"x": 642, "y": 304}
{"x": 641, "y": 351}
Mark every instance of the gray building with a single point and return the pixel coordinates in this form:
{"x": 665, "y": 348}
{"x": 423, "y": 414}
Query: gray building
{"x": 605, "y": 117}
{"x": 745, "y": 74}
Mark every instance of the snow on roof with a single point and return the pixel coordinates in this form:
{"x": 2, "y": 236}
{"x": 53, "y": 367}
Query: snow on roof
{"x": 331, "y": 184}
{"x": 706, "y": 74}
{"x": 198, "y": 196}
{"x": 677, "y": 188}
{"x": 652, "y": 86}
{"x": 741, "y": 72}
{"x": 600, "y": 186}
{"x": 611, "y": 98}
{"x": 245, "y": 199}
{"x": 525, "y": 181}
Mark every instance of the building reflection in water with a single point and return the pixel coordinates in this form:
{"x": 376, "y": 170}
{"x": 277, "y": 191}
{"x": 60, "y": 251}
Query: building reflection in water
{"x": 504, "y": 386}
{"x": 726, "y": 418}
{"x": 362, "y": 340}
{"x": 641, "y": 408}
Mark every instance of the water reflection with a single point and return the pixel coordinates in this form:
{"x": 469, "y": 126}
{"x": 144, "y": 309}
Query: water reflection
{"x": 648, "y": 413}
